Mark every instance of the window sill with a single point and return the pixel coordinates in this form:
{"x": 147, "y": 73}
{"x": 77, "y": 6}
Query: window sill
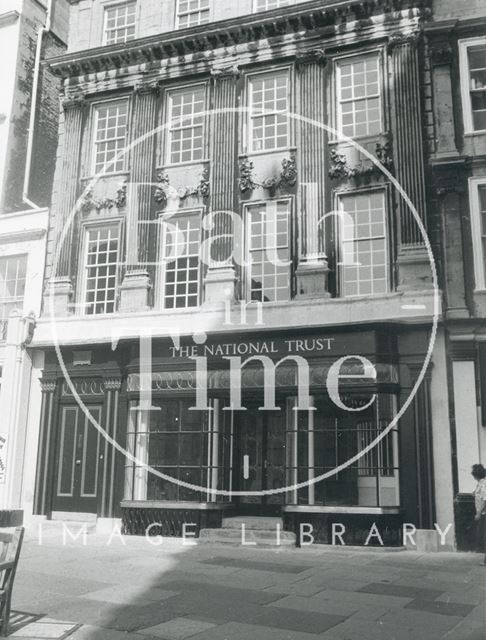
{"x": 112, "y": 174}
{"x": 302, "y": 508}
{"x": 188, "y": 163}
{"x": 475, "y": 134}
{"x": 266, "y": 152}
{"x": 162, "y": 504}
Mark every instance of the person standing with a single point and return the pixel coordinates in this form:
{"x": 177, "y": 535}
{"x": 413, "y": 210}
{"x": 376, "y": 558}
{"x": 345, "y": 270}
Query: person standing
{"x": 479, "y": 474}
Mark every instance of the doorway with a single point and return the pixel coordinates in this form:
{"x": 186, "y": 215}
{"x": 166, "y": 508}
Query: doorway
{"x": 260, "y": 459}
{"x": 78, "y": 461}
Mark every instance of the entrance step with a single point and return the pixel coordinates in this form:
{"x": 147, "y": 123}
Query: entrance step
{"x": 68, "y": 522}
{"x": 250, "y": 531}
{"x": 253, "y": 522}
{"x": 248, "y": 537}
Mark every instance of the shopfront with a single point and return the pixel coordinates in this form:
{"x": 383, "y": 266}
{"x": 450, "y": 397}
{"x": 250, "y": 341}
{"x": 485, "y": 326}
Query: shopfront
{"x": 264, "y": 426}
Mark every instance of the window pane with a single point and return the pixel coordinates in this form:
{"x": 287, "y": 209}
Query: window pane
{"x": 192, "y": 13}
{"x": 358, "y": 96}
{"x": 181, "y": 236}
{"x": 269, "y": 103}
{"x": 110, "y": 136}
{"x": 363, "y": 260}
{"x": 120, "y": 23}
{"x": 13, "y": 270}
{"x": 186, "y": 133}
{"x": 101, "y": 269}
{"x": 269, "y": 252}
{"x": 321, "y": 440}
{"x": 265, "y": 5}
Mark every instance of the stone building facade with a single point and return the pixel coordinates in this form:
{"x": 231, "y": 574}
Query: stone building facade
{"x": 246, "y": 181}
{"x": 30, "y": 30}
{"x": 457, "y": 147}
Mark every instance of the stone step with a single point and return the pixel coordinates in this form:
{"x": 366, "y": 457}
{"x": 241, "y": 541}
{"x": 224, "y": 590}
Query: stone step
{"x": 58, "y": 526}
{"x": 240, "y": 537}
{"x": 252, "y": 522}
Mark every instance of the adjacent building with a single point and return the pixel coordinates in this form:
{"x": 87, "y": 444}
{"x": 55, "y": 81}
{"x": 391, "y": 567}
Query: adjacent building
{"x": 243, "y": 218}
{"x": 30, "y": 30}
{"x": 457, "y": 166}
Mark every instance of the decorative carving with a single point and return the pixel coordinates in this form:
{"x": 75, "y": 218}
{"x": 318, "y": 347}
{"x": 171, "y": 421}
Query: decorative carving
{"x": 84, "y": 387}
{"x": 89, "y": 202}
{"x": 165, "y": 190}
{"x": 143, "y": 88}
{"x": 287, "y": 178}
{"x": 340, "y": 169}
{"x": 48, "y": 386}
{"x": 311, "y": 55}
{"x": 254, "y": 378}
{"x": 73, "y": 101}
{"x": 112, "y": 384}
{"x": 245, "y": 181}
{"x": 398, "y": 38}
{"x": 226, "y": 72}
{"x": 234, "y": 32}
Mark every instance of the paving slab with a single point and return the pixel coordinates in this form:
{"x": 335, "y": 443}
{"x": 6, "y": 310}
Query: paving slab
{"x": 177, "y": 629}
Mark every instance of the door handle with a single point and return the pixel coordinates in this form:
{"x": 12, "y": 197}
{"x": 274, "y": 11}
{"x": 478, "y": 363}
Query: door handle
{"x": 78, "y": 462}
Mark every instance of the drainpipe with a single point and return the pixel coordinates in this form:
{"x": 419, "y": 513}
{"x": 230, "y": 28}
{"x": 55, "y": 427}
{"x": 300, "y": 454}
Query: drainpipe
{"x": 35, "y": 88}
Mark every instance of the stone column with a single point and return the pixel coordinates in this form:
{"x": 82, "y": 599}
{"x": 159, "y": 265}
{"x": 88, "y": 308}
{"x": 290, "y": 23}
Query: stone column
{"x": 60, "y": 288}
{"x": 136, "y": 286}
{"x": 220, "y": 278}
{"x": 46, "y": 449}
{"x": 112, "y": 387}
{"x": 408, "y": 155}
{"x": 312, "y": 271}
{"x": 17, "y": 369}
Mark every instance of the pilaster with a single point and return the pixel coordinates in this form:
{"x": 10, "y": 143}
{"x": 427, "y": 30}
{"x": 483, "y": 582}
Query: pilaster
{"x": 13, "y": 408}
{"x": 312, "y": 270}
{"x": 60, "y": 288}
{"x": 220, "y": 281}
{"x": 136, "y": 285}
{"x": 46, "y": 448}
{"x": 112, "y": 386}
{"x": 414, "y": 270}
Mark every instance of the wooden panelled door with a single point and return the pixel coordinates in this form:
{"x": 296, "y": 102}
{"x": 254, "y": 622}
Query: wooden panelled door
{"x": 78, "y": 461}
{"x": 260, "y": 459}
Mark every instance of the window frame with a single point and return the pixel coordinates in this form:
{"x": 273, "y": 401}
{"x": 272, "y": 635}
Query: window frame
{"x": 167, "y": 152}
{"x": 339, "y": 196}
{"x": 257, "y": 10}
{"x": 335, "y": 97}
{"x": 4, "y": 321}
{"x": 160, "y": 298}
{"x": 479, "y": 255}
{"x": 113, "y": 5}
{"x": 246, "y": 279}
{"x": 82, "y": 278}
{"x": 178, "y": 13}
{"x": 92, "y": 171}
{"x": 247, "y": 137}
{"x": 467, "y": 112}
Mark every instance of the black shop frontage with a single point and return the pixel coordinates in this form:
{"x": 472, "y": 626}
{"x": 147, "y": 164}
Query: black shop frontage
{"x": 299, "y": 426}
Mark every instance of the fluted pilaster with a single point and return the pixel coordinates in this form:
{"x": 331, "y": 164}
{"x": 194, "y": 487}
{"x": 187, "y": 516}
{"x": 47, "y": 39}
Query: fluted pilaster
{"x": 136, "y": 286}
{"x": 408, "y": 139}
{"x": 221, "y": 279}
{"x": 313, "y": 267}
{"x": 67, "y": 183}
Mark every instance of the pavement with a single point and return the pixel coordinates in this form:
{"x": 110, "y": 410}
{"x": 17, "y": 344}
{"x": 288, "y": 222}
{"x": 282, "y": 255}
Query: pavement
{"x": 130, "y": 589}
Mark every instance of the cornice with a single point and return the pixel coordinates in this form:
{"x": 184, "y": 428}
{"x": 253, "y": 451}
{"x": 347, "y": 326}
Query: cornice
{"x": 9, "y": 17}
{"x": 305, "y": 18}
